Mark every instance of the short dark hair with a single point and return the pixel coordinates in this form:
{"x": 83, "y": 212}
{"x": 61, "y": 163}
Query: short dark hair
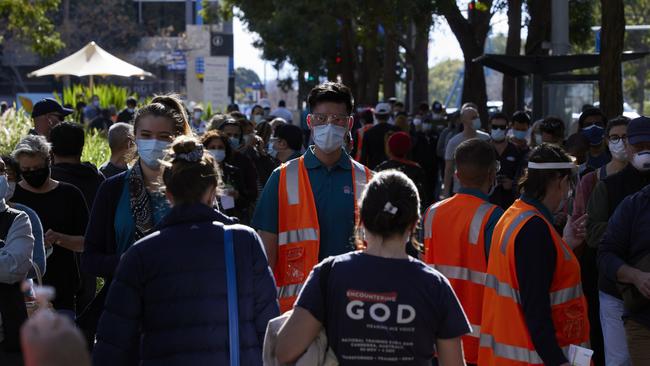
{"x": 521, "y": 117}
{"x": 131, "y": 102}
{"x": 423, "y": 107}
{"x": 282, "y": 103}
{"x": 12, "y": 164}
{"x": 387, "y": 191}
{"x": 589, "y": 112}
{"x": 553, "y": 126}
{"x": 331, "y": 92}
{"x": 474, "y": 158}
{"x": 399, "y": 104}
{"x": 291, "y": 134}
{"x": 67, "y": 139}
{"x": 615, "y": 122}
{"x": 535, "y": 181}
{"x": 188, "y": 178}
{"x": 499, "y": 115}
{"x": 232, "y": 107}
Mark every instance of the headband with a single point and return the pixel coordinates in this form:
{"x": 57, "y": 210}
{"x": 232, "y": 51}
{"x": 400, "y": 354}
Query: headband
{"x": 549, "y": 166}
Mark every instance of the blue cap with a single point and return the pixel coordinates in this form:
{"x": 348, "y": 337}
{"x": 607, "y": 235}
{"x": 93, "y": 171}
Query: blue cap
{"x": 49, "y": 105}
{"x": 638, "y": 130}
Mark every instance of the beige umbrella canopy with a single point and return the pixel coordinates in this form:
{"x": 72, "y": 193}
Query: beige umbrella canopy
{"x": 89, "y": 61}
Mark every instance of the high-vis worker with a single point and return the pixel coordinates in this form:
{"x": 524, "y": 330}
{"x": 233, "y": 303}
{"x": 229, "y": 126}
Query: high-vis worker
{"x": 533, "y": 305}
{"x": 458, "y": 231}
{"x": 308, "y": 207}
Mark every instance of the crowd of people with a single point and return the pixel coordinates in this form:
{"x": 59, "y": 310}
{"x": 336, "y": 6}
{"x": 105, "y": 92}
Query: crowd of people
{"x": 362, "y": 236}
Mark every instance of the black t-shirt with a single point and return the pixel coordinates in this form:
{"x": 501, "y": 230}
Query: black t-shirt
{"x": 109, "y": 169}
{"x": 63, "y": 210}
{"x": 413, "y": 171}
{"x": 512, "y": 164}
{"x": 384, "y": 311}
{"x": 373, "y": 151}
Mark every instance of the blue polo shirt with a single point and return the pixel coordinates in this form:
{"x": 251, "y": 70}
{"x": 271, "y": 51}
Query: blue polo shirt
{"x": 334, "y": 197}
{"x": 492, "y": 220}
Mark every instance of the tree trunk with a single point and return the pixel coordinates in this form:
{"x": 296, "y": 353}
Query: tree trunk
{"x": 421, "y": 63}
{"x": 371, "y": 65}
{"x": 348, "y": 55}
{"x": 539, "y": 27}
{"x": 390, "y": 64}
{"x": 513, "y": 48}
{"x": 471, "y": 38}
{"x": 612, "y": 35}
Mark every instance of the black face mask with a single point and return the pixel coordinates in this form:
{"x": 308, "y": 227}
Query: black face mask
{"x": 36, "y": 178}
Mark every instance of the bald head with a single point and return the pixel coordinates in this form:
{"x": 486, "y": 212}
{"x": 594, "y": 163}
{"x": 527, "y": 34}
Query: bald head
{"x": 119, "y": 136}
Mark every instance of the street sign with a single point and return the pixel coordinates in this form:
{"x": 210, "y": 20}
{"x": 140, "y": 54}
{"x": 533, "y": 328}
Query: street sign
{"x": 221, "y": 44}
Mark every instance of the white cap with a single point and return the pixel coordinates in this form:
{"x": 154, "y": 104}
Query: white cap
{"x": 383, "y": 108}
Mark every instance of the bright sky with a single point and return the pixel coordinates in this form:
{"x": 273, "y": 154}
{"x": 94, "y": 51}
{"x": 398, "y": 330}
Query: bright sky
{"x": 441, "y": 39}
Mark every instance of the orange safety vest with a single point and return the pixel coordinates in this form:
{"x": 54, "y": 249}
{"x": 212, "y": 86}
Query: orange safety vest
{"x": 505, "y": 339}
{"x": 360, "y": 132}
{"x": 298, "y": 229}
{"x": 454, "y": 244}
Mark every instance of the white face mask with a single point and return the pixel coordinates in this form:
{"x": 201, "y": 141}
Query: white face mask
{"x": 498, "y": 135}
{"x": 329, "y": 137}
{"x": 538, "y": 139}
{"x": 197, "y": 115}
{"x": 4, "y": 186}
{"x": 476, "y": 123}
{"x": 417, "y": 122}
{"x": 218, "y": 154}
{"x": 248, "y": 138}
{"x": 11, "y": 189}
{"x": 618, "y": 150}
{"x": 271, "y": 150}
{"x": 258, "y": 118}
{"x": 641, "y": 161}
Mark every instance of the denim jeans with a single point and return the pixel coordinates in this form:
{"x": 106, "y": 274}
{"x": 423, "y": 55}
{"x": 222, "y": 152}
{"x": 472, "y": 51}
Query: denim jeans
{"x": 611, "y": 311}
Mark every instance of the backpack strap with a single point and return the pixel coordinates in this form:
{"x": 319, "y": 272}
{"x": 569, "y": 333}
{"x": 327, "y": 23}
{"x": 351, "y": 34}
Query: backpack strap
{"x": 233, "y": 307}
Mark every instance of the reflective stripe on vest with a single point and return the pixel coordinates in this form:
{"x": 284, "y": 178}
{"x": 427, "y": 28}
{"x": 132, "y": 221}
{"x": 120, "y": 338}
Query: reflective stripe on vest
{"x": 510, "y": 352}
{"x": 293, "y": 191}
{"x": 295, "y": 236}
{"x": 476, "y": 331}
{"x": 477, "y": 222}
{"x": 461, "y": 273}
{"x": 428, "y": 220}
{"x": 289, "y": 290}
{"x": 557, "y": 297}
{"x": 517, "y": 353}
{"x": 523, "y": 216}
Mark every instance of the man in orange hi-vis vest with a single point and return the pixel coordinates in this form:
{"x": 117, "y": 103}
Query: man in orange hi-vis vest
{"x": 533, "y": 306}
{"x": 308, "y": 208}
{"x": 458, "y": 230}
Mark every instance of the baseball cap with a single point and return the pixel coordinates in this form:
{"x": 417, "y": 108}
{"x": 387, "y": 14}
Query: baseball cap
{"x": 638, "y": 130}
{"x": 49, "y": 105}
{"x": 383, "y": 108}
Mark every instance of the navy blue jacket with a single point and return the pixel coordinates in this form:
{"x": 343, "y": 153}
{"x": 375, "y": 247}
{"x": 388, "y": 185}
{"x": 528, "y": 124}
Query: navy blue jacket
{"x": 627, "y": 240}
{"x": 169, "y": 299}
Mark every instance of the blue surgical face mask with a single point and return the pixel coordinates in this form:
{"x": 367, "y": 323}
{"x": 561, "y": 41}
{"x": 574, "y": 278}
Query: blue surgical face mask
{"x": 218, "y": 154}
{"x": 519, "y": 135}
{"x": 329, "y": 137}
{"x": 476, "y": 123}
{"x": 4, "y": 186}
{"x": 151, "y": 151}
{"x": 594, "y": 134}
{"x": 234, "y": 142}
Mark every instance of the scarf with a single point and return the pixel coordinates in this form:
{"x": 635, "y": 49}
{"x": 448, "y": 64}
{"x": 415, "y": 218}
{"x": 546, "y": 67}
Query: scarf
{"x": 140, "y": 203}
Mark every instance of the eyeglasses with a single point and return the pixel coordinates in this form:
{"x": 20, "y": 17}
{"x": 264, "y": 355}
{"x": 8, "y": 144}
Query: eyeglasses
{"x": 616, "y": 138}
{"x": 319, "y": 119}
{"x": 499, "y": 127}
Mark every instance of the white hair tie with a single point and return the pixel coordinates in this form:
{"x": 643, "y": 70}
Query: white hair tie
{"x": 388, "y": 207}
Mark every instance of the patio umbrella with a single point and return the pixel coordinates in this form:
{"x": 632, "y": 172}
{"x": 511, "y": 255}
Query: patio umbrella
{"x": 89, "y": 61}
